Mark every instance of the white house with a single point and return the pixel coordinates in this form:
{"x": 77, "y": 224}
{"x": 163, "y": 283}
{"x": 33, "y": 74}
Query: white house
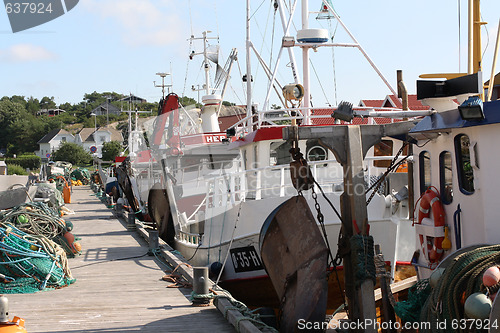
{"x": 51, "y": 142}
{"x": 92, "y": 141}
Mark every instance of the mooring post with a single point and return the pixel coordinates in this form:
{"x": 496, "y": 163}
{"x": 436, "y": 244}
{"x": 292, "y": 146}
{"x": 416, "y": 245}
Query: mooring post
{"x": 201, "y": 293}
{"x": 131, "y": 220}
{"x": 154, "y": 244}
{"x": 119, "y": 207}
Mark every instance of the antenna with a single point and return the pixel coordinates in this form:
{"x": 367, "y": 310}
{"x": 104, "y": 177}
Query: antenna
{"x": 163, "y": 85}
{"x": 206, "y": 64}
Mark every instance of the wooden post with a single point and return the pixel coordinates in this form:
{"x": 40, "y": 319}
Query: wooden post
{"x": 361, "y": 300}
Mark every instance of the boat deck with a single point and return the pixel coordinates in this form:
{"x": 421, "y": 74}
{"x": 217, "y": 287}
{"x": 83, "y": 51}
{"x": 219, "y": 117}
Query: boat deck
{"x": 111, "y": 293}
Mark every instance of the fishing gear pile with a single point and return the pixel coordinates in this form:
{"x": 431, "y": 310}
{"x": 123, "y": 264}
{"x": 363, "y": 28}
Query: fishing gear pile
{"x": 37, "y": 218}
{"x": 30, "y": 263}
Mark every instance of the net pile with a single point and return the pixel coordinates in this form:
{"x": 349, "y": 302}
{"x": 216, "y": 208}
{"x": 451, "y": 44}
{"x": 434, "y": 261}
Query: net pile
{"x": 30, "y": 263}
{"x": 461, "y": 278}
{"x": 80, "y": 176}
{"x": 36, "y": 218}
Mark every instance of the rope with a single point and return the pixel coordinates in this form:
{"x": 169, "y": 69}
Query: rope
{"x": 36, "y": 218}
{"x": 390, "y": 168}
{"x": 363, "y": 258}
{"x": 461, "y": 278}
{"x": 34, "y": 261}
{"x": 248, "y": 314}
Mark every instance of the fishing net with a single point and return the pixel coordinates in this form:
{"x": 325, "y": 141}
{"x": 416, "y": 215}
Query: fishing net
{"x": 461, "y": 278}
{"x": 81, "y": 174}
{"x": 30, "y": 263}
{"x": 409, "y": 310}
{"x": 36, "y": 218}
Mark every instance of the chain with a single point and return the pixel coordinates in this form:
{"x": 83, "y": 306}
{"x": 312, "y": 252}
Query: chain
{"x": 390, "y": 168}
{"x": 334, "y": 261}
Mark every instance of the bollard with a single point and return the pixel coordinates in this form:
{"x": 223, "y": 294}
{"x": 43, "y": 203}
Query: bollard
{"x": 109, "y": 201}
{"x": 201, "y": 295}
{"x": 131, "y": 221}
{"x": 119, "y": 207}
{"x": 4, "y": 309}
{"x": 16, "y": 325}
{"x": 154, "y": 244}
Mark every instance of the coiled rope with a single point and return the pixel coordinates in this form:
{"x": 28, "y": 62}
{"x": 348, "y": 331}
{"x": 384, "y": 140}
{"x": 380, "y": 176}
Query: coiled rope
{"x": 461, "y": 278}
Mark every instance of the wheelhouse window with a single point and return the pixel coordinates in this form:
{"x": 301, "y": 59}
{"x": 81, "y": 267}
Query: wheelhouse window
{"x": 464, "y": 167}
{"x": 279, "y": 153}
{"x": 383, "y": 148}
{"x": 446, "y": 177}
{"x": 424, "y": 162}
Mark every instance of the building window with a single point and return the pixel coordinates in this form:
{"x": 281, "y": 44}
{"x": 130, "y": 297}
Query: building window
{"x": 102, "y": 138}
{"x": 383, "y": 148}
{"x": 63, "y": 139}
{"x": 424, "y": 162}
{"x": 464, "y": 167}
{"x": 446, "y": 177}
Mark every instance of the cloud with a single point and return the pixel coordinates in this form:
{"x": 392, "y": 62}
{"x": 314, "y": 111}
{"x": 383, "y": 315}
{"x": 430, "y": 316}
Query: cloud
{"x": 21, "y": 53}
{"x": 142, "y": 22}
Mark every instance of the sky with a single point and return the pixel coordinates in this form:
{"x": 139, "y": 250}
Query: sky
{"x": 119, "y": 45}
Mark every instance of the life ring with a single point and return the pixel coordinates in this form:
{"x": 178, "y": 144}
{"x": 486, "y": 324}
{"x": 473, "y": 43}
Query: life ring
{"x": 433, "y": 250}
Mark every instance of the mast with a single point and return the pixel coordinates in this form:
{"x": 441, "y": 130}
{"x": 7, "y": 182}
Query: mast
{"x": 474, "y": 39}
{"x": 305, "y": 66}
{"x": 249, "y": 71}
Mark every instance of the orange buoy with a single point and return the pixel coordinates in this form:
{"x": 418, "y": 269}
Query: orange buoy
{"x": 77, "y": 246}
{"x": 67, "y": 194}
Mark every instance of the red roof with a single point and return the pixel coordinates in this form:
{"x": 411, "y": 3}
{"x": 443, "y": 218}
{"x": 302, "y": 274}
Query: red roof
{"x": 392, "y": 101}
{"x": 226, "y": 121}
{"x": 371, "y": 103}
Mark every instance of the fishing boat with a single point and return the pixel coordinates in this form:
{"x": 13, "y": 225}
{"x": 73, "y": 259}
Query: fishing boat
{"x": 456, "y": 235}
{"x": 456, "y": 228}
{"x": 214, "y": 190}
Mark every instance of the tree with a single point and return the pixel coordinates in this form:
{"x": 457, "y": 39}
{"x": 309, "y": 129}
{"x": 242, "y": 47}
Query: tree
{"x": 110, "y": 150}
{"x": 186, "y": 101}
{"x": 47, "y": 103}
{"x": 33, "y": 105}
{"x": 73, "y": 153}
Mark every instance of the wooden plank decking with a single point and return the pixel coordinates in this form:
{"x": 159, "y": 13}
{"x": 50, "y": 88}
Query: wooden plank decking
{"x": 112, "y": 295}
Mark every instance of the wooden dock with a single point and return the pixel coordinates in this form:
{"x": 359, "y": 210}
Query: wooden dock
{"x": 118, "y": 286}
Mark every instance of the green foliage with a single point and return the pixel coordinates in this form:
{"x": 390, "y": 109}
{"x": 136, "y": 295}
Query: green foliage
{"x": 22, "y": 128}
{"x": 30, "y": 161}
{"x": 48, "y": 103}
{"x": 185, "y": 101}
{"x": 73, "y": 153}
{"x": 14, "y": 169}
{"x": 110, "y": 150}
{"x": 226, "y": 103}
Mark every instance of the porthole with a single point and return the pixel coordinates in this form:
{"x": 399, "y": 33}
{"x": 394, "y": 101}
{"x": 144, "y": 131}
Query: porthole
{"x": 317, "y": 153}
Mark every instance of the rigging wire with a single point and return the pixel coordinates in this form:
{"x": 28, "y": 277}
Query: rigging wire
{"x": 241, "y": 77}
{"x": 319, "y": 81}
{"x": 187, "y": 66}
{"x": 216, "y": 20}
{"x": 487, "y": 41}
{"x": 333, "y": 60}
{"x": 263, "y": 41}
{"x": 459, "y": 38}
{"x": 272, "y": 35}
{"x": 255, "y": 12}
{"x": 190, "y": 18}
